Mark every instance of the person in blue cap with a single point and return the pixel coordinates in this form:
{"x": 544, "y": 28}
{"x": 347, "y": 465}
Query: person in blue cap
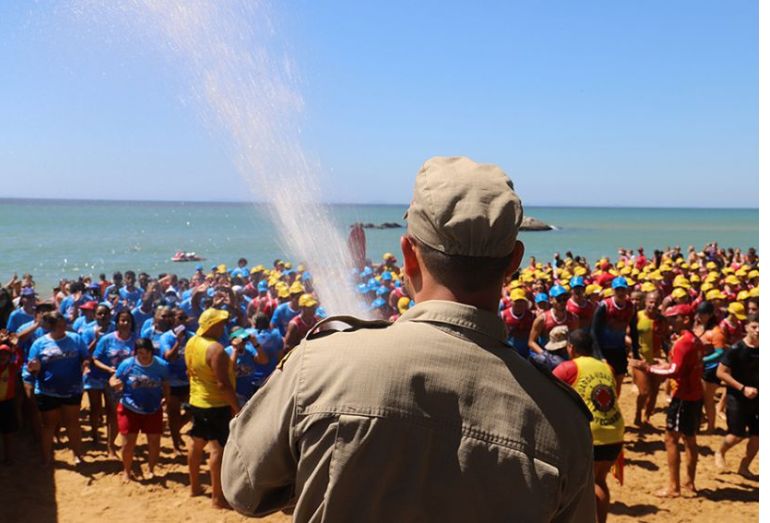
{"x": 26, "y": 311}
{"x": 541, "y": 303}
{"x": 379, "y": 308}
{"x": 611, "y": 322}
{"x": 579, "y": 305}
{"x": 544, "y": 323}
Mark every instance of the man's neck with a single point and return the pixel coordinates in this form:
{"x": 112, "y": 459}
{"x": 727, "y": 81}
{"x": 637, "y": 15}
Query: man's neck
{"x": 488, "y": 301}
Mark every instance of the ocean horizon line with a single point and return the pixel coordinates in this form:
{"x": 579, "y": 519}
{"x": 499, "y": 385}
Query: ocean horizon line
{"x": 14, "y": 199}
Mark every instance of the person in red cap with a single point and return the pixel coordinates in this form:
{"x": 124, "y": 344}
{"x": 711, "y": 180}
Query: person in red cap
{"x": 684, "y": 412}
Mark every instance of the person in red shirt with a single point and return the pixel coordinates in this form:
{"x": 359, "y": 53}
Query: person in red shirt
{"x": 518, "y": 318}
{"x": 579, "y": 305}
{"x": 684, "y": 412}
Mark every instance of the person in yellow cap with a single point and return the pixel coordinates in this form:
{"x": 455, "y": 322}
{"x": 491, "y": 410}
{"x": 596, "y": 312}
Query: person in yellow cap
{"x": 300, "y": 324}
{"x": 285, "y": 312}
{"x": 350, "y": 401}
{"x": 518, "y": 319}
{"x": 212, "y": 399}
{"x": 730, "y": 330}
{"x": 732, "y": 287}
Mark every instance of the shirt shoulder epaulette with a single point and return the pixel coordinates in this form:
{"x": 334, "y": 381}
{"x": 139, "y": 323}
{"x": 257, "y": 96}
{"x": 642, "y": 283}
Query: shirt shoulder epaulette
{"x": 326, "y": 327}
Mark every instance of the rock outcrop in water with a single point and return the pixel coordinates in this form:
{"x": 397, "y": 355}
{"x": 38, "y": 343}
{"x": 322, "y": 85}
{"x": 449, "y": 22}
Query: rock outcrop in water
{"x": 533, "y": 224}
{"x": 528, "y": 224}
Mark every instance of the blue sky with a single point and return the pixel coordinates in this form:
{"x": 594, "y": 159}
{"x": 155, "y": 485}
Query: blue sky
{"x": 582, "y": 103}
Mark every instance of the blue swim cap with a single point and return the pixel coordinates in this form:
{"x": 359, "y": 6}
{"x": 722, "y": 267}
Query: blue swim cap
{"x": 397, "y": 284}
{"x": 321, "y": 312}
{"x": 199, "y": 267}
{"x": 382, "y": 290}
{"x": 366, "y": 272}
{"x": 376, "y": 304}
{"x": 262, "y": 286}
{"x": 619, "y": 283}
{"x": 577, "y": 281}
{"x": 306, "y": 276}
{"x": 541, "y": 297}
{"x": 362, "y": 288}
{"x": 556, "y": 291}
{"x": 387, "y": 276}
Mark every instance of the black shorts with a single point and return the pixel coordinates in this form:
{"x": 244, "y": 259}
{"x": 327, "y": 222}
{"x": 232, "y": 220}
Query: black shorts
{"x": 9, "y": 422}
{"x": 617, "y": 359}
{"x": 607, "y": 452}
{"x": 210, "y": 424}
{"x": 710, "y": 376}
{"x": 684, "y": 416}
{"x": 46, "y": 403}
{"x": 742, "y": 416}
{"x": 181, "y": 391}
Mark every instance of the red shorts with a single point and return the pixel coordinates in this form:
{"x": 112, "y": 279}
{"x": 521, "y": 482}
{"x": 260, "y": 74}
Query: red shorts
{"x": 129, "y": 422}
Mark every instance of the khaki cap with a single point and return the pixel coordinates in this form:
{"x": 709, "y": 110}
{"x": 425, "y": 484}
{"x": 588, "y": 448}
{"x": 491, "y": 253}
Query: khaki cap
{"x": 557, "y": 338}
{"x": 463, "y": 208}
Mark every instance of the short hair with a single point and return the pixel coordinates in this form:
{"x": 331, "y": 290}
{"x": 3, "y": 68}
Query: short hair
{"x": 117, "y": 275}
{"x": 752, "y": 318}
{"x": 50, "y": 319}
{"x": 261, "y": 321}
{"x": 581, "y": 342}
{"x": 144, "y": 343}
{"x": 130, "y": 273}
{"x": 466, "y": 273}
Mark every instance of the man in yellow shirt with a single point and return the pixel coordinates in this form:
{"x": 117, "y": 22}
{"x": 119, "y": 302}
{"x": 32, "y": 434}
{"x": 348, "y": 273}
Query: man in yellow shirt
{"x": 212, "y": 400}
{"x": 594, "y": 381}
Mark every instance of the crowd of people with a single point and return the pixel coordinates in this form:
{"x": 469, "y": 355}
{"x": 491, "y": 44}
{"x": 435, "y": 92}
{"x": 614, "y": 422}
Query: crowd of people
{"x": 156, "y": 352}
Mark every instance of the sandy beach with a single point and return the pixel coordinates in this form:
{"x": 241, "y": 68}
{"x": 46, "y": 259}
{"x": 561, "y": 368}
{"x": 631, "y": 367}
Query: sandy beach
{"x": 96, "y": 493}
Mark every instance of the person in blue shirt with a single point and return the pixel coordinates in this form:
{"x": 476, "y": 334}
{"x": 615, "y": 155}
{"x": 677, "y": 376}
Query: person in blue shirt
{"x": 57, "y": 361}
{"x": 285, "y": 312}
{"x": 142, "y": 381}
{"x": 154, "y": 329}
{"x": 69, "y": 305}
{"x": 241, "y": 271}
{"x": 27, "y": 335}
{"x": 270, "y": 342}
{"x": 129, "y": 294}
{"x": 245, "y": 358}
{"x": 26, "y": 311}
{"x": 117, "y": 283}
{"x": 94, "y": 380}
{"x": 172, "y": 345}
{"x": 110, "y": 351}
{"x": 85, "y": 317}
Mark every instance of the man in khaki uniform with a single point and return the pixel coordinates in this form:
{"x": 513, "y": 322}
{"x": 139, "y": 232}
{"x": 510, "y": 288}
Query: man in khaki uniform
{"x": 432, "y": 418}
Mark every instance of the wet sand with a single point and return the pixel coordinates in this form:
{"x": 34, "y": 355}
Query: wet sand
{"x": 95, "y": 491}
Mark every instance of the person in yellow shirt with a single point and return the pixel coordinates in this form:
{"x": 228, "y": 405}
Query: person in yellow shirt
{"x": 212, "y": 400}
{"x": 594, "y": 381}
{"x": 652, "y": 330}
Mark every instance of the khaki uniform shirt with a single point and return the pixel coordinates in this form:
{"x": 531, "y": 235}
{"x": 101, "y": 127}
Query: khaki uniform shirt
{"x": 430, "y": 419}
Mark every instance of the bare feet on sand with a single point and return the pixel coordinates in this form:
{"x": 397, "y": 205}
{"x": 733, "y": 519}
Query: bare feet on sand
{"x": 744, "y": 471}
{"x": 220, "y": 503}
{"x": 667, "y": 493}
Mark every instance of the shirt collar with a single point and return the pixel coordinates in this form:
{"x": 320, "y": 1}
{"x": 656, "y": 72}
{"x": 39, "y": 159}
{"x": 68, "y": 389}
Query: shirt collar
{"x": 457, "y": 315}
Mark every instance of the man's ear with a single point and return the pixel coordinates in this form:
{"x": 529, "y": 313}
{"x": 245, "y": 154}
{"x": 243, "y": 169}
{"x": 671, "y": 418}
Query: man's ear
{"x": 411, "y": 267}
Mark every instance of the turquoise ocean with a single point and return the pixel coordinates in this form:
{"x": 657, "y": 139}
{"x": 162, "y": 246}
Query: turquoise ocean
{"x": 54, "y": 239}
